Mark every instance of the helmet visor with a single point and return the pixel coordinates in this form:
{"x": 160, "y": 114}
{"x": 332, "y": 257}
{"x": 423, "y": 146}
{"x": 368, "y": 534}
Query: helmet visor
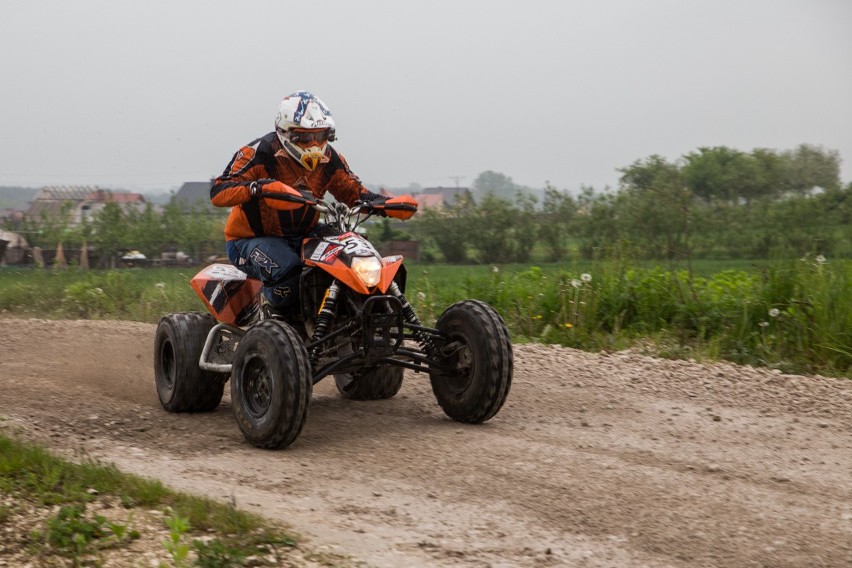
{"x": 303, "y": 137}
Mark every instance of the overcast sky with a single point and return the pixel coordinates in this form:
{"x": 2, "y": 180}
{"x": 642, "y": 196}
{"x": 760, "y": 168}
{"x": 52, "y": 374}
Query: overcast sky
{"x": 148, "y": 94}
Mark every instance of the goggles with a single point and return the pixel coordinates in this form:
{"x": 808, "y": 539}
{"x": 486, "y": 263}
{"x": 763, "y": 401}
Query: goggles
{"x": 307, "y": 136}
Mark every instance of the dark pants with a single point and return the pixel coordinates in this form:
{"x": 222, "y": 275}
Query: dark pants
{"x": 276, "y": 261}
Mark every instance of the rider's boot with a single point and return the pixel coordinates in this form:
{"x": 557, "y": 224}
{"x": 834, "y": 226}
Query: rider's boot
{"x": 270, "y": 311}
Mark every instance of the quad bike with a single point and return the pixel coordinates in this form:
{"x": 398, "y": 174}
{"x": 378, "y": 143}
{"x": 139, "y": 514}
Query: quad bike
{"x": 355, "y": 323}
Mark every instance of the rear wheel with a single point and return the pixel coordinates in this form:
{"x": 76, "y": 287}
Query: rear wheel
{"x": 377, "y": 384}
{"x": 271, "y": 384}
{"x": 480, "y": 354}
{"x": 182, "y": 385}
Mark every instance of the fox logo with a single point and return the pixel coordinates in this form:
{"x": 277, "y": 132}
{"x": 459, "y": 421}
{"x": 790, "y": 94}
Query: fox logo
{"x": 261, "y": 259}
{"x": 282, "y": 292}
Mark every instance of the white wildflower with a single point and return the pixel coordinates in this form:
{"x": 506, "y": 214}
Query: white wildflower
{"x": 576, "y": 283}
{"x": 763, "y": 324}
{"x": 820, "y": 259}
{"x": 774, "y": 313}
{"x": 586, "y": 277}
{"x": 495, "y": 269}
{"x": 99, "y": 291}
{"x": 160, "y": 285}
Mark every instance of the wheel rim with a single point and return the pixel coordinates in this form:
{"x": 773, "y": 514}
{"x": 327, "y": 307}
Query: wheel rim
{"x": 460, "y": 379}
{"x": 168, "y": 364}
{"x": 345, "y": 381}
{"x": 257, "y": 386}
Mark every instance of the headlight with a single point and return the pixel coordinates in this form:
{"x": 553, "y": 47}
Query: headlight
{"x": 368, "y": 269}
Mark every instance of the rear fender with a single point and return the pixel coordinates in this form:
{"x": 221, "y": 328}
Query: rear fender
{"x": 229, "y": 294}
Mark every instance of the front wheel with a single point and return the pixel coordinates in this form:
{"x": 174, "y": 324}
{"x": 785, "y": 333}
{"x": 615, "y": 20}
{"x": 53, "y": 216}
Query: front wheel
{"x": 480, "y": 354}
{"x": 377, "y": 384}
{"x": 271, "y": 384}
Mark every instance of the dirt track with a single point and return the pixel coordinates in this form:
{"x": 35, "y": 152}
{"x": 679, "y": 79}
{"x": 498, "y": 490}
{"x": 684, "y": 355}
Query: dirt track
{"x": 595, "y": 460}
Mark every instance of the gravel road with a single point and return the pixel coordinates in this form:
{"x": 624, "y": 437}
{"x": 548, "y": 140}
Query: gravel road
{"x": 596, "y": 460}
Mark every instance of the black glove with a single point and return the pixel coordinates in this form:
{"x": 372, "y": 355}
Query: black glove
{"x": 376, "y": 204}
{"x": 256, "y": 187}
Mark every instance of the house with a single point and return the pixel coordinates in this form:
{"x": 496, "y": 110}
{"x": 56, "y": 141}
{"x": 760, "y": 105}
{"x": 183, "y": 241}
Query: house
{"x": 432, "y": 197}
{"x": 195, "y": 194}
{"x": 78, "y": 203}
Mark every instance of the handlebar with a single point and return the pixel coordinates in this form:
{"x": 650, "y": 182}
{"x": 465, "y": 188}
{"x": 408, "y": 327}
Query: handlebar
{"x": 346, "y": 218}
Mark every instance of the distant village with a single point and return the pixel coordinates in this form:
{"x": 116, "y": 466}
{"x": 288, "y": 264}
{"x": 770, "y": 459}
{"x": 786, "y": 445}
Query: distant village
{"x": 79, "y": 204}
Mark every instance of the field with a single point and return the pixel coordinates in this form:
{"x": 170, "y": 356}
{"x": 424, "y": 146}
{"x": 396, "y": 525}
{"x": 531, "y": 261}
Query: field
{"x": 795, "y": 315}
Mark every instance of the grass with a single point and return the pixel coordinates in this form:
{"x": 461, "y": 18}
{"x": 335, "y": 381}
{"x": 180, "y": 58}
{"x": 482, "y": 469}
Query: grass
{"x": 30, "y": 473}
{"x": 712, "y": 310}
{"x": 791, "y": 315}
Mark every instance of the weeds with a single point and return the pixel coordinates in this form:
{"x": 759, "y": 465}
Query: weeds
{"x": 29, "y": 472}
{"x": 175, "y": 546}
{"x": 794, "y": 316}
{"x": 710, "y": 311}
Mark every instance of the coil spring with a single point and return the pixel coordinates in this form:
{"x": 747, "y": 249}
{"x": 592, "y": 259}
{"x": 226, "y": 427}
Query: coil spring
{"x": 410, "y": 316}
{"x": 324, "y": 319}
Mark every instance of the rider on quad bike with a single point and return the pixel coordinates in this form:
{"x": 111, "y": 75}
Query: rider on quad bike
{"x": 262, "y": 239}
{"x": 330, "y": 304}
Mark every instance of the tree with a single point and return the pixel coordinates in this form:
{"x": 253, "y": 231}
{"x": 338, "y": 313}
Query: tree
{"x": 109, "y": 232}
{"x": 808, "y": 167}
{"x": 597, "y": 223}
{"x": 202, "y": 229}
{"x": 46, "y": 230}
{"x": 145, "y": 230}
{"x": 492, "y": 223}
{"x": 448, "y": 228}
{"x": 494, "y": 183}
{"x": 555, "y": 227}
{"x": 656, "y": 206}
{"x": 525, "y": 233}
{"x": 727, "y": 175}
{"x": 196, "y": 231}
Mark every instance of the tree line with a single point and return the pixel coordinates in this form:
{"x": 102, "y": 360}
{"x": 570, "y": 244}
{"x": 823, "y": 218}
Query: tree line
{"x": 715, "y": 202}
{"x": 115, "y": 230}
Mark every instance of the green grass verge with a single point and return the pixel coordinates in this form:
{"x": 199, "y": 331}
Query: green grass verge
{"x": 32, "y": 474}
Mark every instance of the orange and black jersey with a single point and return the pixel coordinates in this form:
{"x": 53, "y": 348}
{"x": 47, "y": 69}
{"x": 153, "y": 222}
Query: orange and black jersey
{"x": 265, "y": 158}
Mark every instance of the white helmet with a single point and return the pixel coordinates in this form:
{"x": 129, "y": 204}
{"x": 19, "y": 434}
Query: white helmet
{"x": 304, "y": 126}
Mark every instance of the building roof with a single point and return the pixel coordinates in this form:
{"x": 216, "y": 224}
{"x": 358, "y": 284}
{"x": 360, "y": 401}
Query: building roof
{"x": 193, "y": 191}
{"x": 429, "y": 200}
{"x": 449, "y": 194}
{"x": 52, "y": 199}
{"x": 65, "y": 192}
{"x": 93, "y": 193}
{"x": 109, "y": 196}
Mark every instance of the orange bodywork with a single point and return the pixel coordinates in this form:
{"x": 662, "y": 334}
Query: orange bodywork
{"x": 339, "y": 270}
{"x": 228, "y": 293}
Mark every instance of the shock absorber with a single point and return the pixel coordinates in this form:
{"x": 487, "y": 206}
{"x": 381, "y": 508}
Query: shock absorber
{"x": 324, "y": 318}
{"x": 410, "y": 316}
